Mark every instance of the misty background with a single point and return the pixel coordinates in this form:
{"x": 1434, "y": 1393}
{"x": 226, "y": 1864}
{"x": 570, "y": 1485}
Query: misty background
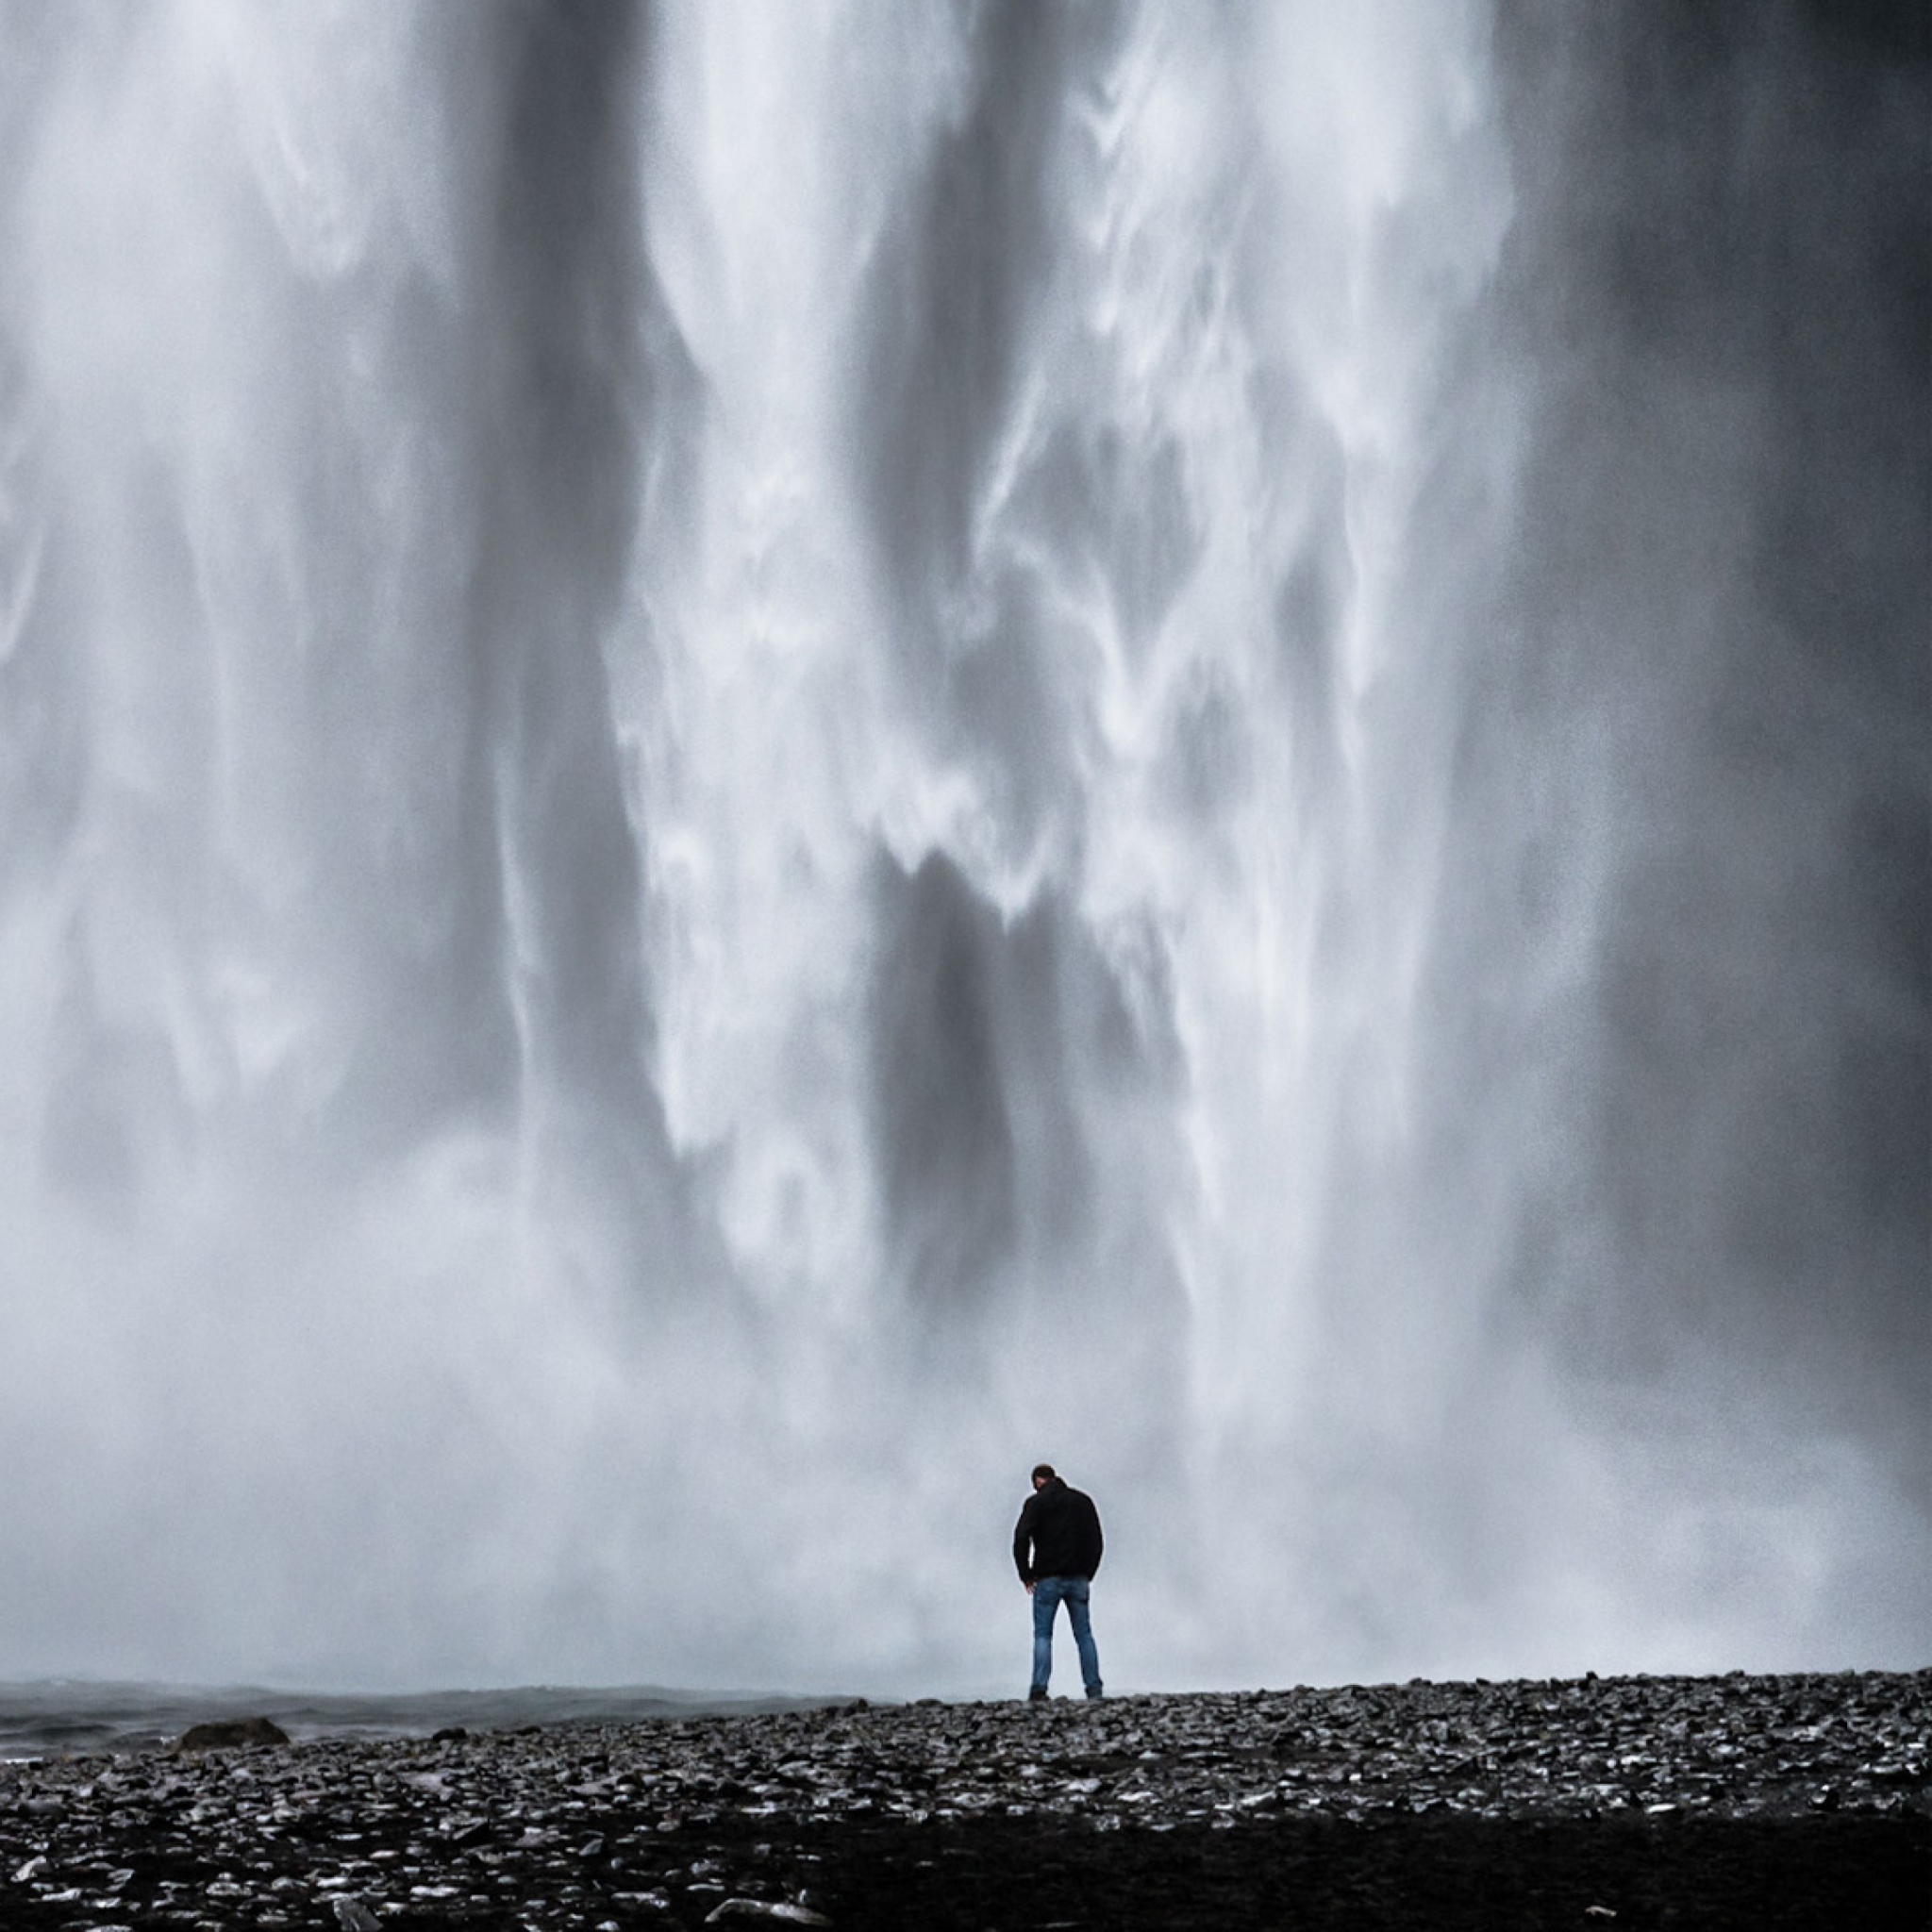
{"x": 757, "y": 759}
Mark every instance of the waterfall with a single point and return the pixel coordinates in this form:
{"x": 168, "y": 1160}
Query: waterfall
{"x": 755, "y": 759}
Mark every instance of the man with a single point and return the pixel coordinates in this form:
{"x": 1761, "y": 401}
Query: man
{"x": 1056, "y": 1546}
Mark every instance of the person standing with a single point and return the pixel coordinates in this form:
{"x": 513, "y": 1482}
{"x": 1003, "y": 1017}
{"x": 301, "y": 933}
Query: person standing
{"x": 1056, "y": 1546}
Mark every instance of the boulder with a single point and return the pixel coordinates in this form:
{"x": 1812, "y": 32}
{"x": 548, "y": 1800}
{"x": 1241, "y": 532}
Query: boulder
{"x": 232, "y": 1733}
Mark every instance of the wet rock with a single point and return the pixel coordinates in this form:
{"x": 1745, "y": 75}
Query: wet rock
{"x": 758, "y": 1909}
{"x": 1726, "y": 1795}
{"x": 231, "y": 1734}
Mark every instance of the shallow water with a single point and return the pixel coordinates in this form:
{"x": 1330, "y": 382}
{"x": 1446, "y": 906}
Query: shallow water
{"x": 66, "y": 1717}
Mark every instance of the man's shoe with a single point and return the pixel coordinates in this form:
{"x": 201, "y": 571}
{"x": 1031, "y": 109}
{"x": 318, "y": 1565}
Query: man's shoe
{"x": 1037, "y": 1694}
{"x": 1095, "y": 1690}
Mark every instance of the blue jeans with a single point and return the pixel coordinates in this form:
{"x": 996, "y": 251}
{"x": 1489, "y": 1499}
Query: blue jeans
{"x": 1049, "y": 1593}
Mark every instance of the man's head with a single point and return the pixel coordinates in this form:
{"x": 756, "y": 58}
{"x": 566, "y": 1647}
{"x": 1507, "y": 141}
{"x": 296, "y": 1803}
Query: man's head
{"x": 1042, "y": 1475}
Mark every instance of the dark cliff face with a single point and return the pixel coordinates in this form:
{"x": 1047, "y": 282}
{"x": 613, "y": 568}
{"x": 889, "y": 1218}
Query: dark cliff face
{"x": 1715, "y": 290}
{"x": 577, "y": 383}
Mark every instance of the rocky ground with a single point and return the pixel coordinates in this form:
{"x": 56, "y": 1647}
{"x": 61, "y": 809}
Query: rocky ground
{"x": 1620, "y": 1801}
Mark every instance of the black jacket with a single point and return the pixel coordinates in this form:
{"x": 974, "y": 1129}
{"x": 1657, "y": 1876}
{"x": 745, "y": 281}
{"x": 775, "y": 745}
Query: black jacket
{"x": 1062, "y": 1527}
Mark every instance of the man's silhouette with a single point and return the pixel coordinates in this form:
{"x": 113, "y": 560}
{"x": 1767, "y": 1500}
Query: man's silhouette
{"x": 1057, "y": 1548}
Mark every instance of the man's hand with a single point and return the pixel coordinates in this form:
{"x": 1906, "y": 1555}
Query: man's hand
{"x": 1029, "y": 1590}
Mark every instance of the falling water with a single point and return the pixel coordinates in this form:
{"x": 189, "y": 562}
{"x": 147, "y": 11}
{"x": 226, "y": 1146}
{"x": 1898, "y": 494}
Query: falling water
{"x": 755, "y": 759}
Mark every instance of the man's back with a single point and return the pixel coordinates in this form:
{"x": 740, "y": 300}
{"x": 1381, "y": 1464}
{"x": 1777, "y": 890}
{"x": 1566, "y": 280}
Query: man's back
{"x": 1062, "y": 1527}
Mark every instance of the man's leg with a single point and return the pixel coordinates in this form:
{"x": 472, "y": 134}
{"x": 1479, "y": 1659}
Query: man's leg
{"x": 1083, "y": 1635}
{"x": 1046, "y": 1599}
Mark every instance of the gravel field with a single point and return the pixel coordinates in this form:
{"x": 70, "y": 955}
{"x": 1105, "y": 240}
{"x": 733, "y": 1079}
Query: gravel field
{"x": 1627, "y": 1802}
